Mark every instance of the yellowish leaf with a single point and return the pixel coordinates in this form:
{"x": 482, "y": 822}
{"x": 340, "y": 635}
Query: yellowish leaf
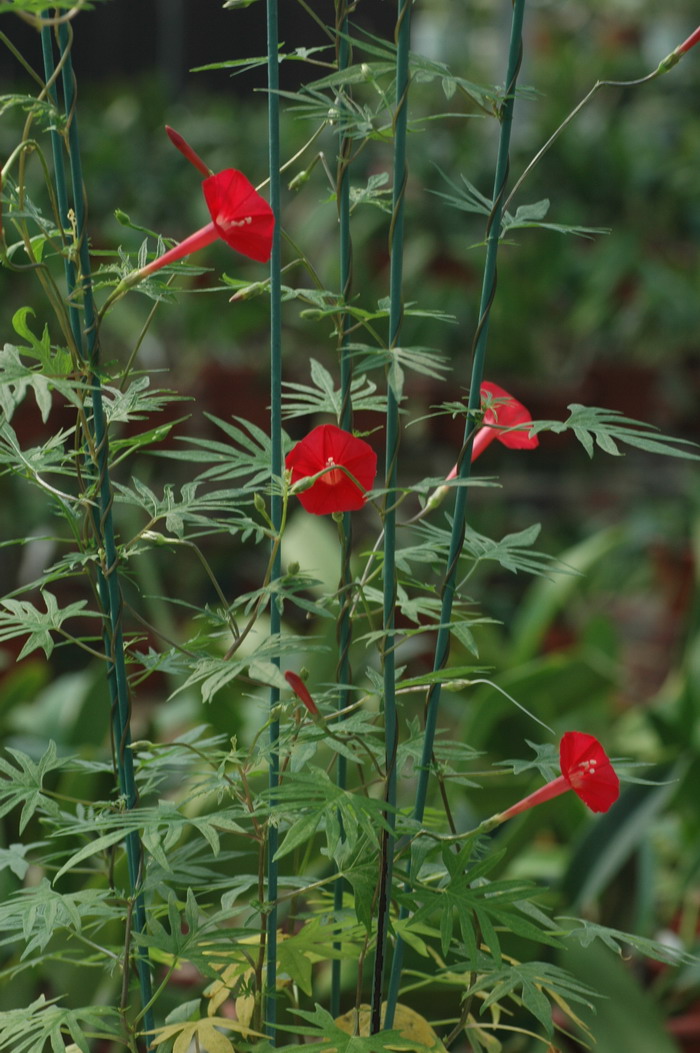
{"x": 410, "y": 1024}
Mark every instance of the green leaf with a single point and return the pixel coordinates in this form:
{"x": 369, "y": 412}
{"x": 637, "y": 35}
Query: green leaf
{"x": 21, "y": 783}
{"x": 639, "y": 1026}
{"x": 605, "y": 428}
{"x": 98, "y": 845}
{"x": 21, "y": 618}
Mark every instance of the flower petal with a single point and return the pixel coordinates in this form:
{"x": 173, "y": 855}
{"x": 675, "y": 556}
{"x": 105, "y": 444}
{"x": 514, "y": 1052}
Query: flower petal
{"x": 241, "y": 216}
{"x": 508, "y": 414}
{"x": 588, "y": 771}
{"x": 334, "y": 491}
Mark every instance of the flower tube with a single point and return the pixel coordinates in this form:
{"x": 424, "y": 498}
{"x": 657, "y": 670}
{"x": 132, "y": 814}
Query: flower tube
{"x": 585, "y": 769}
{"x": 506, "y": 420}
{"x": 239, "y": 216}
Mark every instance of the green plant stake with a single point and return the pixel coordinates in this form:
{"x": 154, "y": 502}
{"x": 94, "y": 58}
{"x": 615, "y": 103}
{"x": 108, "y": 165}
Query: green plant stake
{"x": 276, "y": 500}
{"x": 109, "y": 590}
{"x": 442, "y": 646}
{"x": 403, "y": 39}
{"x": 344, "y": 629}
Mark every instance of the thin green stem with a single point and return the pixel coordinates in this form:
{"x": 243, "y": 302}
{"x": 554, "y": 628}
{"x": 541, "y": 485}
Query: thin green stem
{"x": 442, "y": 646}
{"x": 276, "y": 510}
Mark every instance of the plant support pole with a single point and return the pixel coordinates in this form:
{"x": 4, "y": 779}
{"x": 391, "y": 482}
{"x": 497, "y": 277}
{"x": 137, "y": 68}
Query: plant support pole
{"x": 403, "y": 39}
{"x": 276, "y": 500}
{"x": 442, "y": 646}
{"x": 109, "y": 590}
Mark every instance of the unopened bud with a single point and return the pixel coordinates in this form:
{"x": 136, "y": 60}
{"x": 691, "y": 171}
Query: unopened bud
{"x": 259, "y": 502}
{"x": 247, "y": 292}
{"x": 302, "y": 692}
{"x": 299, "y": 179}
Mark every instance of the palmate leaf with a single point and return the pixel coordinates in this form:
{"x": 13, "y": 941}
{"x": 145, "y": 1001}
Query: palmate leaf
{"x": 205, "y": 1034}
{"x": 41, "y": 109}
{"x": 533, "y": 215}
{"x": 191, "y": 513}
{"x": 300, "y": 400}
{"x": 353, "y": 119}
{"x": 605, "y": 428}
{"x": 476, "y": 907}
{"x": 28, "y": 1030}
{"x": 137, "y": 401}
{"x": 35, "y": 914}
{"x": 39, "y": 463}
{"x": 373, "y": 193}
{"x": 22, "y": 783}
{"x": 248, "y": 454}
{"x": 468, "y": 198}
{"x": 514, "y": 551}
{"x": 324, "y": 1034}
{"x": 532, "y": 985}
{"x": 22, "y": 618}
{"x": 426, "y": 361}
{"x": 213, "y": 673}
{"x": 587, "y": 932}
{"x": 312, "y": 801}
{"x": 161, "y": 826}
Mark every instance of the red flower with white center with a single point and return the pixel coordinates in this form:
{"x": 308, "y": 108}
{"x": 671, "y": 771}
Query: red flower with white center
{"x": 301, "y": 691}
{"x": 585, "y": 769}
{"x": 588, "y": 771}
{"x": 345, "y": 465}
{"x": 239, "y": 216}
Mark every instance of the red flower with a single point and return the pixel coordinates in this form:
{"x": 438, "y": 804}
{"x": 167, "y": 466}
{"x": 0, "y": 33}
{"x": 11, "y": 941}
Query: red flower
{"x": 302, "y": 692}
{"x": 585, "y": 769}
{"x": 335, "y": 490}
{"x": 504, "y": 412}
{"x": 239, "y": 215}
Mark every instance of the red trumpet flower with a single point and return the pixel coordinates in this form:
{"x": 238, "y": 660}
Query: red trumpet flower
{"x": 239, "y": 215}
{"x": 348, "y": 466}
{"x": 585, "y": 769}
{"x": 505, "y": 419}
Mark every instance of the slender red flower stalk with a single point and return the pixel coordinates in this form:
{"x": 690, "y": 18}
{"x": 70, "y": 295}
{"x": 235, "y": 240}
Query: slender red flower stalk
{"x": 181, "y": 144}
{"x": 585, "y": 769}
{"x": 302, "y": 692}
{"x": 239, "y": 215}
{"x": 348, "y": 466}
{"x": 506, "y": 420}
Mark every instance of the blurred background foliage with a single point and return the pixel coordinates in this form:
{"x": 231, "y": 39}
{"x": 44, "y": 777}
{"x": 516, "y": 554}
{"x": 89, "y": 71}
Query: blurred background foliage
{"x": 613, "y": 321}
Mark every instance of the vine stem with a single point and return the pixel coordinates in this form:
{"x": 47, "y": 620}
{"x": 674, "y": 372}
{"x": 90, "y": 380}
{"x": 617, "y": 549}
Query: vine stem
{"x": 442, "y": 646}
{"x": 403, "y": 39}
{"x": 108, "y": 587}
{"x": 276, "y": 511}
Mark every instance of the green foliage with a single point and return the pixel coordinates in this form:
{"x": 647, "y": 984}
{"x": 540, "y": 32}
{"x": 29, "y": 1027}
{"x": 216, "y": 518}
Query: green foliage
{"x": 250, "y": 856}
